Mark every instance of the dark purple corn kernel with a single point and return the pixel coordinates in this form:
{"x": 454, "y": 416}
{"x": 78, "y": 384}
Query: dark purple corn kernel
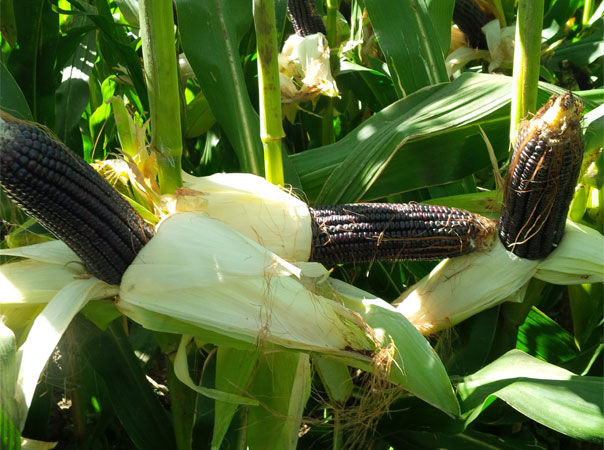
{"x": 305, "y": 17}
{"x": 541, "y": 179}
{"x": 470, "y": 19}
{"x": 366, "y": 232}
{"x": 69, "y": 198}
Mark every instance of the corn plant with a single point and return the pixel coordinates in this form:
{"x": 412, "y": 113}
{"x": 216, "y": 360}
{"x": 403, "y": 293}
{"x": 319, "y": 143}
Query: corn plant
{"x": 220, "y": 229}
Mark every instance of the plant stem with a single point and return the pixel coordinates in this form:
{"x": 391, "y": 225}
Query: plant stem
{"x": 271, "y": 129}
{"x": 160, "y": 60}
{"x": 587, "y": 9}
{"x": 337, "y": 432}
{"x": 327, "y": 133}
{"x": 527, "y": 61}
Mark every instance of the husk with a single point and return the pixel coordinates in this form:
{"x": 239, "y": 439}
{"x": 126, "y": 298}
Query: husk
{"x": 578, "y": 259}
{"x": 48, "y": 268}
{"x": 252, "y": 206}
{"x": 304, "y": 69}
{"x": 461, "y": 287}
{"x": 223, "y": 282}
{"x": 406, "y": 358}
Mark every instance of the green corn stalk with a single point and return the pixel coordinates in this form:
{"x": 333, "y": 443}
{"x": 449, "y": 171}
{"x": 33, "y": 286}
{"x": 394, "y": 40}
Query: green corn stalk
{"x": 271, "y": 129}
{"x": 159, "y": 55}
{"x": 332, "y": 38}
{"x": 527, "y": 61}
{"x": 587, "y": 9}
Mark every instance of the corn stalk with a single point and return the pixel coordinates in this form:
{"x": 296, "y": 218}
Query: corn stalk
{"x": 159, "y": 57}
{"x": 527, "y": 61}
{"x": 271, "y": 130}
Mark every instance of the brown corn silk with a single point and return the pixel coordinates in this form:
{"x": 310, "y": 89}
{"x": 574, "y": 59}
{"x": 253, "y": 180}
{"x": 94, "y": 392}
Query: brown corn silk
{"x": 541, "y": 178}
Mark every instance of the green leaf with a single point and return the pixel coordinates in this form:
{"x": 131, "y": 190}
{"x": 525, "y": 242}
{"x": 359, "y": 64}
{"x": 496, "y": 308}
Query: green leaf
{"x": 211, "y": 32}
{"x": 582, "y": 52}
{"x": 116, "y": 48}
{"x": 468, "y": 440}
{"x": 584, "y": 300}
{"x": 233, "y": 370}
{"x": 429, "y": 138}
{"x": 335, "y": 377}
{"x": 594, "y": 134}
{"x": 8, "y": 23}
{"x": 183, "y": 403}
{"x": 543, "y": 338}
{"x": 373, "y": 145}
{"x": 472, "y": 341}
{"x": 415, "y": 365}
{"x": 282, "y": 386}
{"x": 113, "y": 359}
{"x": 11, "y": 98}
{"x": 552, "y": 396}
{"x": 71, "y": 101}
{"x": 9, "y": 409}
{"x": 405, "y": 30}
{"x": 10, "y": 438}
{"x": 32, "y": 62}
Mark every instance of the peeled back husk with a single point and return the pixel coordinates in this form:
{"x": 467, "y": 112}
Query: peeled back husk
{"x": 220, "y": 281}
{"x": 249, "y": 204}
{"x": 460, "y": 287}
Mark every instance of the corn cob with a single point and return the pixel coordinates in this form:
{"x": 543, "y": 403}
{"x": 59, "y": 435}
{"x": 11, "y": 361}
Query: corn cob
{"x": 470, "y": 19}
{"x": 541, "y": 179}
{"x": 305, "y": 17}
{"x": 70, "y": 199}
{"x": 366, "y": 232}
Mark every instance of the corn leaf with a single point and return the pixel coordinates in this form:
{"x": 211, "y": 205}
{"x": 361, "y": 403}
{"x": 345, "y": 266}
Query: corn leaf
{"x": 11, "y": 98}
{"x": 405, "y": 31}
{"x": 9, "y": 408}
{"x": 335, "y": 377}
{"x": 211, "y": 32}
{"x": 10, "y": 438}
{"x": 110, "y": 354}
{"x": 233, "y": 370}
{"x": 415, "y": 366}
{"x": 282, "y": 386}
{"x": 543, "y": 338}
{"x": 428, "y": 138}
{"x": 181, "y": 370}
{"x": 546, "y": 393}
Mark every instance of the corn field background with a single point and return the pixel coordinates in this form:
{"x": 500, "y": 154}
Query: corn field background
{"x": 402, "y": 128}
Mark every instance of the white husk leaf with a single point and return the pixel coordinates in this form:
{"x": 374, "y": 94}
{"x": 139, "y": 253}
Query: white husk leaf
{"x": 578, "y": 259}
{"x": 221, "y": 281}
{"x": 500, "y": 42}
{"x": 304, "y": 62}
{"x": 56, "y": 252}
{"x": 49, "y": 267}
{"x": 462, "y": 56}
{"x": 252, "y": 206}
{"x": 460, "y": 287}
